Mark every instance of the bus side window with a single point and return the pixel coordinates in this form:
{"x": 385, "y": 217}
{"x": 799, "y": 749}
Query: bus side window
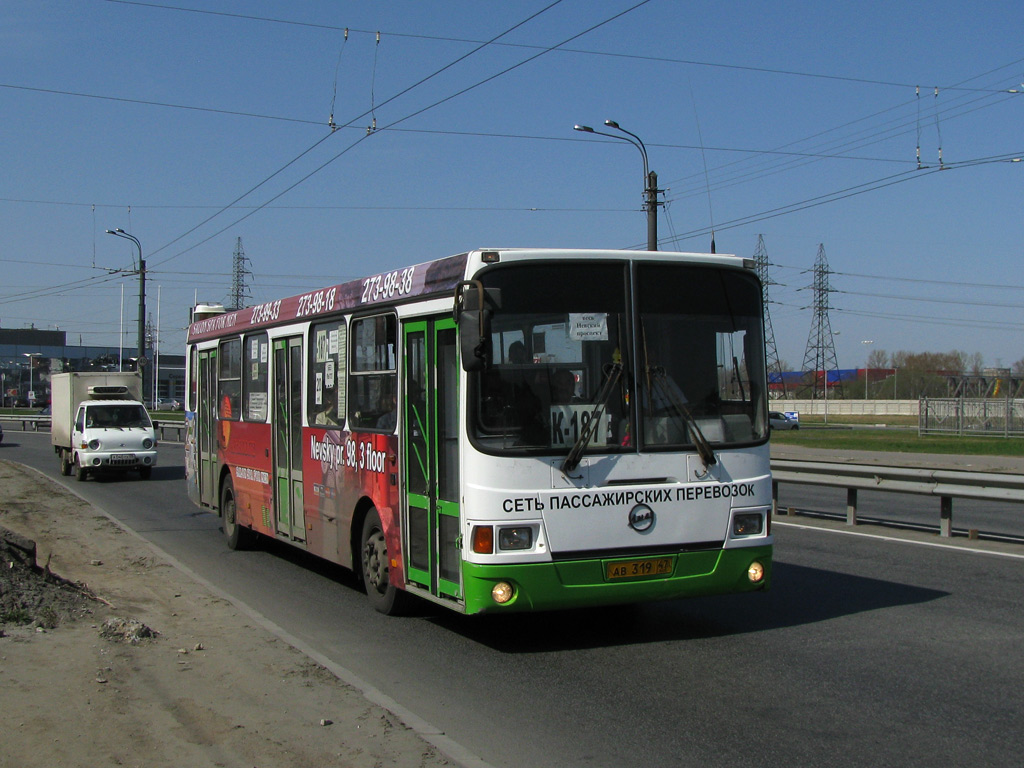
{"x": 325, "y": 400}
{"x": 373, "y": 374}
{"x": 230, "y": 379}
{"x": 255, "y": 377}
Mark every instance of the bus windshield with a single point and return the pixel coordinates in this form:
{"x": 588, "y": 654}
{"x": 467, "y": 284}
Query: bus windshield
{"x": 598, "y": 360}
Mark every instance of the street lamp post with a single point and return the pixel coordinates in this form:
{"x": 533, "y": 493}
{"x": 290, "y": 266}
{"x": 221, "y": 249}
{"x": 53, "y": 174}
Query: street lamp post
{"x": 650, "y": 177}
{"x": 31, "y": 395}
{"x": 142, "y": 303}
{"x": 867, "y": 368}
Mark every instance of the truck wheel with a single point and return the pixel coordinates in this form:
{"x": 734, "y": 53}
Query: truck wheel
{"x": 65, "y": 462}
{"x": 238, "y": 536}
{"x": 373, "y": 556}
{"x": 80, "y": 472}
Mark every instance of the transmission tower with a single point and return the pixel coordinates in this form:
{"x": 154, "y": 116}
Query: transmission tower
{"x": 239, "y": 290}
{"x": 771, "y": 351}
{"x": 821, "y": 348}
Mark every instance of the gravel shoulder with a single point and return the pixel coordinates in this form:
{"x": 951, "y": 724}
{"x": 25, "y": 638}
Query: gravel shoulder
{"x": 111, "y": 656}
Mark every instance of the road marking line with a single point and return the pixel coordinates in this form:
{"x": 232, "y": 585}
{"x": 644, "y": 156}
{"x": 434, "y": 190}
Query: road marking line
{"x": 899, "y": 540}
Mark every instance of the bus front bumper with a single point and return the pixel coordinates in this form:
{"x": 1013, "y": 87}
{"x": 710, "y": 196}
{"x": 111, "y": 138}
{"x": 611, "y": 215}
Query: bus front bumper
{"x": 612, "y": 581}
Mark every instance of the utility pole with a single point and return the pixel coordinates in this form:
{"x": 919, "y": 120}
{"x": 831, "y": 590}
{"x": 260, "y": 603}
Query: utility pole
{"x": 142, "y": 360}
{"x": 650, "y": 178}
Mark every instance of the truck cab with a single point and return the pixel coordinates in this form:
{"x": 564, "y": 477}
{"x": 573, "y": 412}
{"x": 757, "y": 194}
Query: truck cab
{"x": 111, "y": 435}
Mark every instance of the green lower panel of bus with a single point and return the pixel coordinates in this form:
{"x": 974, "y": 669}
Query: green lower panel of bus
{"x": 593, "y": 582}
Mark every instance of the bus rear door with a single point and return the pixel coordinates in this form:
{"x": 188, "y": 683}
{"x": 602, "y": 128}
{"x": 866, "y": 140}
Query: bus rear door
{"x": 430, "y": 456}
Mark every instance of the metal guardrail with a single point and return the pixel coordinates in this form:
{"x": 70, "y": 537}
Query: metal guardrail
{"x": 164, "y": 427}
{"x": 42, "y": 424}
{"x": 34, "y": 423}
{"x": 946, "y": 484}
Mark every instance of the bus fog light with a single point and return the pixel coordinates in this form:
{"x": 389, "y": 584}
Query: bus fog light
{"x": 515, "y": 538}
{"x": 755, "y": 572}
{"x": 502, "y": 592}
{"x": 747, "y": 524}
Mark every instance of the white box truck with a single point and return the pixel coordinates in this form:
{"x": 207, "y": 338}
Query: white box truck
{"x": 98, "y": 423}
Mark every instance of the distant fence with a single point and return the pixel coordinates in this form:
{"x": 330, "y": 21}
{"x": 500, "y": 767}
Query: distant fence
{"x": 822, "y": 407}
{"x": 969, "y": 417}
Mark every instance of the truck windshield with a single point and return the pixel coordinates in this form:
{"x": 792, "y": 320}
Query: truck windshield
{"x": 591, "y": 359}
{"x": 117, "y": 416}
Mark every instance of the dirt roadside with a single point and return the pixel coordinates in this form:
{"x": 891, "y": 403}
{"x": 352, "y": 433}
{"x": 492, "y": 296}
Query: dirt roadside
{"x": 82, "y": 685}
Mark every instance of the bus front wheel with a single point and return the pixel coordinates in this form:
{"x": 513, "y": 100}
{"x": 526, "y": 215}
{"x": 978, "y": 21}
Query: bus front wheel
{"x": 373, "y": 556}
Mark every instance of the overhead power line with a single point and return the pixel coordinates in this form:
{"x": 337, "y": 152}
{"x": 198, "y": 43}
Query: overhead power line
{"x": 580, "y": 51}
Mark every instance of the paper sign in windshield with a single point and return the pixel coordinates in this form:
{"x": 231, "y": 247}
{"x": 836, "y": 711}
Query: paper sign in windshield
{"x": 588, "y": 326}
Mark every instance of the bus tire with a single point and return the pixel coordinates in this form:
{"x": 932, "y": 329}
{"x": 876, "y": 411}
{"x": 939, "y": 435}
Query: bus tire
{"x": 373, "y": 558}
{"x": 238, "y": 536}
{"x": 80, "y": 472}
{"x": 65, "y": 462}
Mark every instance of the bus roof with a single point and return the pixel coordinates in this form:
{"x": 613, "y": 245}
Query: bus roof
{"x": 419, "y": 281}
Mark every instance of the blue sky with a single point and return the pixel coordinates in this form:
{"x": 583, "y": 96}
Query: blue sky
{"x": 192, "y": 125}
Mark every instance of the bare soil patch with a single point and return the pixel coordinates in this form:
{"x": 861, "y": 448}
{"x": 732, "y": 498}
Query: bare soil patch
{"x": 110, "y": 656}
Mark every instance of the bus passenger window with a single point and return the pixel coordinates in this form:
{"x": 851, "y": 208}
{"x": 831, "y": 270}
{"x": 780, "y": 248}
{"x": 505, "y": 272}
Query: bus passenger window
{"x": 256, "y": 379}
{"x": 325, "y": 399}
{"x": 230, "y": 379}
{"x": 373, "y": 374}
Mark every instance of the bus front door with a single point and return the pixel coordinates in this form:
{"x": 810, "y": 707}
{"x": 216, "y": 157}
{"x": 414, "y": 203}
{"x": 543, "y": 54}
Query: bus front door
{"x": 287, "y": 428}
{"x": 430, "y": 457}
{"x": 206, "y": 439}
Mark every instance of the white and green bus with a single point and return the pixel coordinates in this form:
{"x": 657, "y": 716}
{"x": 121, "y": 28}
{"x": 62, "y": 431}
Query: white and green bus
{"x": 501, "y": 430}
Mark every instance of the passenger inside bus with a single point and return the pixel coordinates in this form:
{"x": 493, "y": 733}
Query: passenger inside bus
{"x": 389, "y": 412}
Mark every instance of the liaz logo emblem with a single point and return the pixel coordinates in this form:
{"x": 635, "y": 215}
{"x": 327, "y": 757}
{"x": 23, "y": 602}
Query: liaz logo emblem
{"x": 641, "y": 518}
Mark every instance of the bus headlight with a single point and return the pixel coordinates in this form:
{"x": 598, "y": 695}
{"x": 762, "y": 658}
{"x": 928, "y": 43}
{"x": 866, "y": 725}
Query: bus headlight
{"x": 147, "y": 443}
{"x": 747, "y": 524}
{"x": 94, "y": 445}
{"x": 520, "y": 537}
{"x": 502, "y": 592}
{"x": 755, "y": 572}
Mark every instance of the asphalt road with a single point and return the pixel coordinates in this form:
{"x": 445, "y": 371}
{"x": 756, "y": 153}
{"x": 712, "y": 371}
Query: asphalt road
{"x": 867, "y": 651}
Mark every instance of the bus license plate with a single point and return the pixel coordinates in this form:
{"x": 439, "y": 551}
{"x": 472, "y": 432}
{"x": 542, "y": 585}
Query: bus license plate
{"x": 633, "y": 569}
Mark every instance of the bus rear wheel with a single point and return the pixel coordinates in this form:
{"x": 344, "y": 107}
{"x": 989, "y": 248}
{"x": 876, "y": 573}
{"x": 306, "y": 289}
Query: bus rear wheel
{"x": 376, "y": 571}
{"x": 66, "y": 464}
{"x": 238, "y": 536}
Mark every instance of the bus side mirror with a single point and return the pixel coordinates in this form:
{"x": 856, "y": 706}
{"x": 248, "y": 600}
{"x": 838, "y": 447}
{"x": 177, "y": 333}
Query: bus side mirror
{"x": 473, "y": 317}
{"x": 475, "y": 339}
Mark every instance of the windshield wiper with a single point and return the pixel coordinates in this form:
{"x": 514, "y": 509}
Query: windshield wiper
{"x": 660, "y": 380}
{"x": 572, "y": 460}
